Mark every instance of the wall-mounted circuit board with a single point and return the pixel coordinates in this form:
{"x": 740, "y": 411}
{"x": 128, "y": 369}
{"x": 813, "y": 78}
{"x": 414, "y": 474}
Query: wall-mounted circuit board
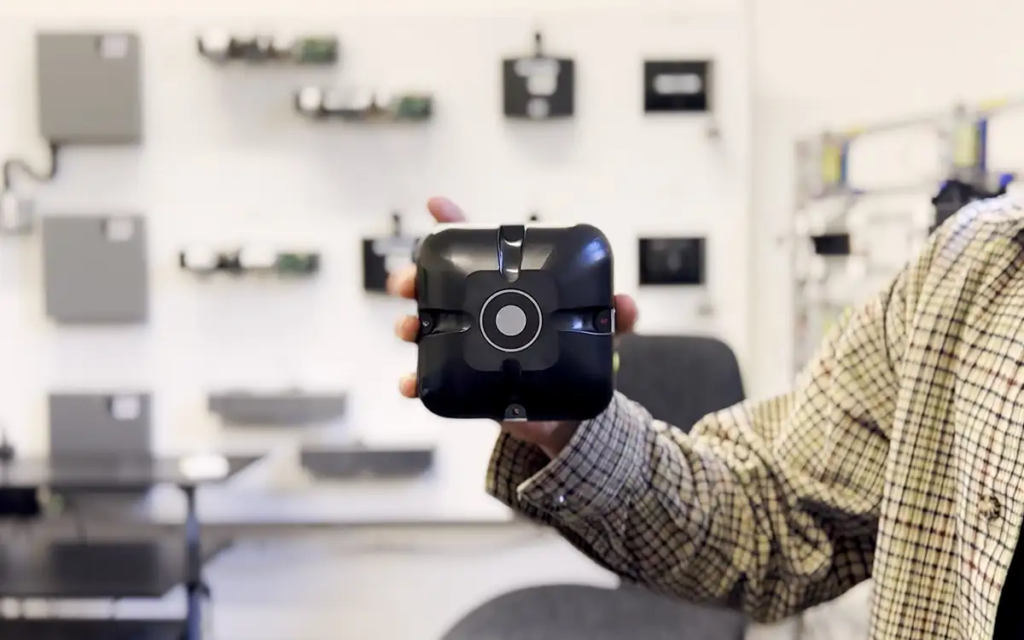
{"x": 223, "y": 47}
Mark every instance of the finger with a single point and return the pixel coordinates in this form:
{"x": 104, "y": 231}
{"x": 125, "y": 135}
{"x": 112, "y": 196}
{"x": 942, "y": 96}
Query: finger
{"x": 407, "y": 328}
{"x": 402, "y": 283}
{"x": 444, "y": 210}
{"x": 407, "y": 385}
{"x": 626, "y": 313}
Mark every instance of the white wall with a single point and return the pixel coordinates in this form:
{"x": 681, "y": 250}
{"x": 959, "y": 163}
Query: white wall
{"x": 816, "y": 64}
{"x": 225, "y": 160}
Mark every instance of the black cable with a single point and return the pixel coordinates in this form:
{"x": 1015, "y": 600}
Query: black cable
{"x": 7, "y": 176}
{"x": 6, "y": 448}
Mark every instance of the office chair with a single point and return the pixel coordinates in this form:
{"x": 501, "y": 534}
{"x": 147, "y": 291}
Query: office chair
{"x": 16, "y": 504}
{"x": 580, "y": 612}
{"x": 679, "y": 379}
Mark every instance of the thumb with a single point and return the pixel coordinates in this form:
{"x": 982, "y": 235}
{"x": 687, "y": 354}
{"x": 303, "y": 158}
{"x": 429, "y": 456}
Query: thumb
{"x": 444, "y": 210}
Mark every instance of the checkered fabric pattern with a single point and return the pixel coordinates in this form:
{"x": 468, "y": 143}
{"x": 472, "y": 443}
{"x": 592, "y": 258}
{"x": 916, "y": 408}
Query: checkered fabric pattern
{"x": 898, "y": 457}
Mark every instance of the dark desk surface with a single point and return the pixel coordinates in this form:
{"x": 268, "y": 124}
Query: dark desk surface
{"x": 108, "y": 474}
{"x": 97, "y": 629}
{"x": 94, "y": 570}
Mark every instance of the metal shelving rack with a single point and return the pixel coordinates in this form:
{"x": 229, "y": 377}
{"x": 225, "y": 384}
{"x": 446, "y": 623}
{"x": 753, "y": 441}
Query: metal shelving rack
{"x": 833, "y": 263}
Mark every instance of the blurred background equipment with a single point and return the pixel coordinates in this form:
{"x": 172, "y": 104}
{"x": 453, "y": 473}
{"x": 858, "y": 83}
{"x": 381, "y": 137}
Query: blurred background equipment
{"x": 680, "y": 86}
{"x": 284, "y": 408}
{"x": 355, "y": 105}
{"x": 846, "y": 244}
{"x": 540, "y": 86}
{"x": 89, "y": 93}
{"x": 250, "y": 260}
{"x": 224, "y": 47}
{"x": 384, "y": 255}
{"x": 95, "y": 269}
{"x": 672, "y": 261}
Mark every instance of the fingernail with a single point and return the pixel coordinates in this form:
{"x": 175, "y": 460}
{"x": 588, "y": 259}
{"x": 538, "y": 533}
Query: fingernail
{"x": 437, "y": 204}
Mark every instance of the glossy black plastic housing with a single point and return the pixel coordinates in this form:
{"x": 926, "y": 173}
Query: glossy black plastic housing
{"x": 516, "y": 322}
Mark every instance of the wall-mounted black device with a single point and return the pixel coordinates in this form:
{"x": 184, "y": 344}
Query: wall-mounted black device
{"x": 6, "y": 448}
{"x": 223, "y": 47}
{"x": 831, "y": 244}
{"x": 363, "y": 106}
{"x": 672, "y": 261}
{"x": 382, "y": 256}
{"x": 539, "y": 87}
{"x": 677, "y": 86}
{"x": 516, "y": 322}
{"x": 954, "y": 195}
{"x": 250, "y": 261}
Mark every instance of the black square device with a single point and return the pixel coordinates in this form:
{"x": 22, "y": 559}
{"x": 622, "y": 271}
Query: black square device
{"x": 516, "y": 322}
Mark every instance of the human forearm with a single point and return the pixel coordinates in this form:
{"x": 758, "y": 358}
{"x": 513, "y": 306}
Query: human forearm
{"x": 705, "y": 518}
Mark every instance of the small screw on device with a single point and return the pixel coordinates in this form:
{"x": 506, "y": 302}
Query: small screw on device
{"x": 426, "y": 324}
{"x": 515, "y": 412}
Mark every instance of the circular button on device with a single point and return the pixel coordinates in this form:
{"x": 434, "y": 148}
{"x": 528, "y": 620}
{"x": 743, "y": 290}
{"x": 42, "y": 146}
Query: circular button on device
{"x": 510, "y": 320}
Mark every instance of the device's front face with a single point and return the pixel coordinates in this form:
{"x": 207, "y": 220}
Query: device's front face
{"x": 516, "y": 322}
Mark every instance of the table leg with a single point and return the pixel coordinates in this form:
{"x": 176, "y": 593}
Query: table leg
{"x": 194, "y": 559}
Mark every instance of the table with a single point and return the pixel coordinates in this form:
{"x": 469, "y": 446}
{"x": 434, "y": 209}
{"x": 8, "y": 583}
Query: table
{"x": 102, "y": 474}
{"x": 99, "y": 474}
{"x": 90, "y": 629}
{"x": 46, "y": 569}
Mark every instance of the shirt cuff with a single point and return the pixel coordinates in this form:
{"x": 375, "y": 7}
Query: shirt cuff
{"x": 586, "y": 479}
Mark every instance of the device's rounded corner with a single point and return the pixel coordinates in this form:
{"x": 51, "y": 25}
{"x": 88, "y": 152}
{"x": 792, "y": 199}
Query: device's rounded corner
{"x": 434, "y": 250}
{"x": 593, "y": 234}
{"x": 435, "y": 244}
{"x": 433, "y": 401}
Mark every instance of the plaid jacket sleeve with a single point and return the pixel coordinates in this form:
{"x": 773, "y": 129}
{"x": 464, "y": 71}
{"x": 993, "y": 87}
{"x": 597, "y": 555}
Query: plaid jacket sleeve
{"x": 768, "y": 506}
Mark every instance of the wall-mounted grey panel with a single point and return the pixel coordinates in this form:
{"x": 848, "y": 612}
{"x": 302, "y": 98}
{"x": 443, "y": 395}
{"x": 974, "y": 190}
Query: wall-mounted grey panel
{"x": 336, "y": 463}
{"x": 90, "y": 87}
{"x": 95, "y": 269}
{"x": 289, "y": 408}
{"x": 112, "y": 424}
